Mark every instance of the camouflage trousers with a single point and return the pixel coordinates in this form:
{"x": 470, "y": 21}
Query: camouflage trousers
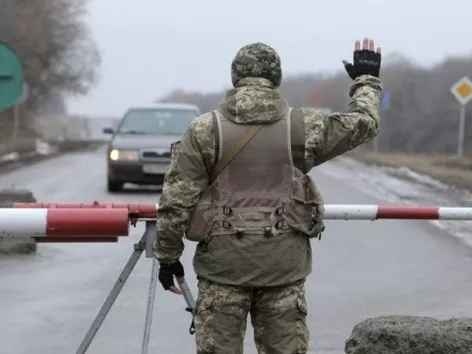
{"x": 278, "y": 316}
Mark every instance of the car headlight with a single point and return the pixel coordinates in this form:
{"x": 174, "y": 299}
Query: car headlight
{"x": 124, "y": 155}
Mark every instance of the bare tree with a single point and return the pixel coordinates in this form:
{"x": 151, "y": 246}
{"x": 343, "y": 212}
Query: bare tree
{"x": 57, "y": 49}
{"x": 59, "y": 58}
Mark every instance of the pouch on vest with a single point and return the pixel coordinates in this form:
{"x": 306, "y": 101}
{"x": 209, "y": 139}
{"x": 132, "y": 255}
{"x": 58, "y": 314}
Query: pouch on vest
{"x": 304, "y": 211}
{"x": 202, "y": 220}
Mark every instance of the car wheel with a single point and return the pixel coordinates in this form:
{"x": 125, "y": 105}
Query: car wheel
{"x": 114, "y": 186}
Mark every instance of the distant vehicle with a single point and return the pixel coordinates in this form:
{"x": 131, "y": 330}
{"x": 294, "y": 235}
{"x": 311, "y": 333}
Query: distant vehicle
{"x": 139, "y": 151}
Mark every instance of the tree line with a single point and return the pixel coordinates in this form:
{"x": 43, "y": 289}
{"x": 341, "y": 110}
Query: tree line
{"x": 419, "y": 114}
{"x": 58, "y": 54}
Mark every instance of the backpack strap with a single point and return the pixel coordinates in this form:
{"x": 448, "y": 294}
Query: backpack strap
{"x": 216, "y": 134}
{"x": 297, "y": 131}
{"x": 226, "y": 157}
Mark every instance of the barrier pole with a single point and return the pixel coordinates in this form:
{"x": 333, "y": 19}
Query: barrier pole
{"x": 138, "y": 212}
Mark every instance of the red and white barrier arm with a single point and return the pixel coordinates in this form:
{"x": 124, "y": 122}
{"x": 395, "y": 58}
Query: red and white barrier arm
{"x": 332, "y": 211}
{"x": 135, "y": 211}
{"x": 105, "y": 222}
{"x": 376, "y": 212}
{"x": 70, "y": 224}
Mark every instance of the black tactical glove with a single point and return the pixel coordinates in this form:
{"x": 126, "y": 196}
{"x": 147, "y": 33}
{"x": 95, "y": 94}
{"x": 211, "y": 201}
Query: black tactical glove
{"x": 167, "y": 271}
{"x": 367, "y": 61}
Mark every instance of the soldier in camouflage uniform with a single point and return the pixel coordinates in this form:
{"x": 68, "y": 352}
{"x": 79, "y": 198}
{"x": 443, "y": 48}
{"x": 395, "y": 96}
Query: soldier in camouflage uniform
{"x": 238, "y": 186}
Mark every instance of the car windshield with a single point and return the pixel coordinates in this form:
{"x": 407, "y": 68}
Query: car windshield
{"x": 156, "y": 121}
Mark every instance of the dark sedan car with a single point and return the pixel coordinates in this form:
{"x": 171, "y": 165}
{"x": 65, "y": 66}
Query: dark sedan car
{"x": 139, "y": 151}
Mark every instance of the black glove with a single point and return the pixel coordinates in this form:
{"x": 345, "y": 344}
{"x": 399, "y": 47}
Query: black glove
{"x": 167, "y": 271}
{"x": 367, "y": 61}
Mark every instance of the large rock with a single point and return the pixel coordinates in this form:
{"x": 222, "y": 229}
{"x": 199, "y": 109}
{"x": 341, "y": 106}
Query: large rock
{"x": 411, "y": 335}
{"x": 8, "y": 245}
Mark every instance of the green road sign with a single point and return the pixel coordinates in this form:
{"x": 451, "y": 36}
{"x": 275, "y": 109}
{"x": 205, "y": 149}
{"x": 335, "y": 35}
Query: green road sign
{"x": 11, "y": 77}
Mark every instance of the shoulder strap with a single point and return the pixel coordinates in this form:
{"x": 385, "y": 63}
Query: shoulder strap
{"x": 297, "y": 128}
{"x": 216, "y": 134}
{"x": 230, "y": 154}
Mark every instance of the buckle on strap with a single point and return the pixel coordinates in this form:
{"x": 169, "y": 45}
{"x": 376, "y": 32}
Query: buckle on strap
{"x": 281, "y": 225}
{"x": 227, "y": 211}
{"x": 280, "y": 211}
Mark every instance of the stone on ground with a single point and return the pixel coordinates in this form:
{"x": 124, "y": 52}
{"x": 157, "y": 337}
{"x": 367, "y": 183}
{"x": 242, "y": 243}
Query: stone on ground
{"x": 411, "y": 335}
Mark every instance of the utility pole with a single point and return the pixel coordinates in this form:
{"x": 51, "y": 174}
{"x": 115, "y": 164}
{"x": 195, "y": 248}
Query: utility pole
{"x": 460, "y": 140}
{"x": 7, "y": 35}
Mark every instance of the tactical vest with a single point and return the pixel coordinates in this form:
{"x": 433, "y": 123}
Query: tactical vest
{"x": 256, "y": 192}
{"x": 259, "y": 191}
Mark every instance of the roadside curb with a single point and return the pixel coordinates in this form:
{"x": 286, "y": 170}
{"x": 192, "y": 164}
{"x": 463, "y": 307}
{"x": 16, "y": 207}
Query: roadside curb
{"x": 18, "y": 160}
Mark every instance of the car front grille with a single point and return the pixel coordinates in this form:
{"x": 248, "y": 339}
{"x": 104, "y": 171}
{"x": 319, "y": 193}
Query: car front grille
{"x": 155, "y": 155}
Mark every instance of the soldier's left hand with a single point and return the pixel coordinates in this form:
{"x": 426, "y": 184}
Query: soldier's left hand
{"x": 367, "y": 61}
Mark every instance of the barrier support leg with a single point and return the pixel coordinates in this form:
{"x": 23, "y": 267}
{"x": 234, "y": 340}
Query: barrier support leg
{"x": 115, "y": 291}
{"x": 150, "y": 307}
{"x": 151, "y": 236}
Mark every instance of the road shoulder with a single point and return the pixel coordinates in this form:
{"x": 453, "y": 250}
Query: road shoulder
{"x": 450, "y": 170}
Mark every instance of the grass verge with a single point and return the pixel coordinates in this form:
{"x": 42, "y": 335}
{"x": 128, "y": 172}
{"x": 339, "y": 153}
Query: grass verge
{"x": 447, "y": 169}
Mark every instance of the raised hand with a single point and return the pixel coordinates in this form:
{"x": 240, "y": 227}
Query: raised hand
{"x": 367, "y": 60}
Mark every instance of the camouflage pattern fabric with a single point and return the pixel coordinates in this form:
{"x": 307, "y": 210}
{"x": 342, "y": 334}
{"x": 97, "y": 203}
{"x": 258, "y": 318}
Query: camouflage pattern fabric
{"x": 254, "y": 102}
{"x": 278, "y": 316}
{"x": 182, "y": 189}
{"x": 327, "y": 135}
{"x": 330, "y": 135}
{"x": 256, "y": 60}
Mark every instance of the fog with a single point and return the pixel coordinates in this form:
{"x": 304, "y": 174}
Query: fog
{"x": 151, "y": 47}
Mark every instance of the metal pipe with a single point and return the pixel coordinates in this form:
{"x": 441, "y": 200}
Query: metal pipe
{"x": 460, "y": 139}
{"x": 150, "y": 307}
{"x": 187, "y": 293}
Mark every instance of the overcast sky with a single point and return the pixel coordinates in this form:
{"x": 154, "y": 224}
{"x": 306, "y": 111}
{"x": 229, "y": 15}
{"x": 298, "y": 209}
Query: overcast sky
{"x": 150, "y": 47}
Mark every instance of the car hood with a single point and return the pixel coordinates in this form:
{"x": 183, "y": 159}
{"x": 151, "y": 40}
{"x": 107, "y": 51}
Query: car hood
{"x": 136, "y": 141}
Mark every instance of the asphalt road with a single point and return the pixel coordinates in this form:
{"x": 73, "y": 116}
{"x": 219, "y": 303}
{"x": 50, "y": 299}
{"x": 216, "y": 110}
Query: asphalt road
{"x": 362, "y": 269}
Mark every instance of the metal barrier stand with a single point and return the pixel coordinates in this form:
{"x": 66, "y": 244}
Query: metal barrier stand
{"x": 145, "y": 244}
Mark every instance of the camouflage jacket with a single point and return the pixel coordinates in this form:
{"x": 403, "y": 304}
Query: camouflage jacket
{"x": 256, "y": 101}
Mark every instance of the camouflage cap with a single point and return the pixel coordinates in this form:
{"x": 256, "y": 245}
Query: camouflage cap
{"x": 257, "y": 60}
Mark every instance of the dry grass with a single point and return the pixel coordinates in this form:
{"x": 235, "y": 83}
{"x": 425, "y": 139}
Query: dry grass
{"x": 447, "y": 169}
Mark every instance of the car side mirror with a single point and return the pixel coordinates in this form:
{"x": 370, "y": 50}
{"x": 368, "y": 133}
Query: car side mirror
{"x": 108, "y": 131}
